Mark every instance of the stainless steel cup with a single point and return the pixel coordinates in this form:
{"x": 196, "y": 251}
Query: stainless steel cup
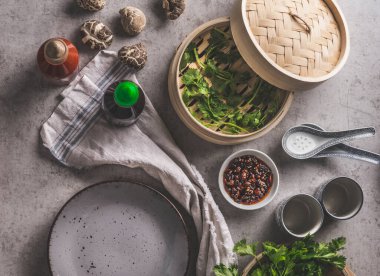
{"x": 341, "y": 198}
{"x": 300, "y": 215}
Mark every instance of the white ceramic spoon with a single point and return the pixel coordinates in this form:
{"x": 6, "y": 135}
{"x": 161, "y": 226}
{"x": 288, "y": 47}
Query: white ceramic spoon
{"x": 346, "y": 151}
{"x": 302, "y": 142}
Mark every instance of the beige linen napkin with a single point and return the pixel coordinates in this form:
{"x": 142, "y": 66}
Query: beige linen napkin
{"x": 78, "y": 136}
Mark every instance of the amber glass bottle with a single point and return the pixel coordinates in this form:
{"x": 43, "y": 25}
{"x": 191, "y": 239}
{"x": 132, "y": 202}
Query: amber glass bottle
{"x": 58, "y": 60}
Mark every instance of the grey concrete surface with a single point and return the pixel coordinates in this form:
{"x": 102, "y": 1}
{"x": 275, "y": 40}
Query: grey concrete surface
{"x": 33, "y": 186}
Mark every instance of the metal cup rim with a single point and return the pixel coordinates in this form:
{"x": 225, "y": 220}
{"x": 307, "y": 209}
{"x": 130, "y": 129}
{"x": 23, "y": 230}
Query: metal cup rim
{"x": 320, "y": 209}
{"x": 361, "y": 193}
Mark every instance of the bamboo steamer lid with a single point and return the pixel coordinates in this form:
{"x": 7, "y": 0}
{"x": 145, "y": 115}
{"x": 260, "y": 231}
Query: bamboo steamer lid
{"x": 293, "y": 44}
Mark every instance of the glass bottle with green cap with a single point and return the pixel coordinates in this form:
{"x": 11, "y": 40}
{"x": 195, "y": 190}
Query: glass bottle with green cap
{"x": 123, "y": 102}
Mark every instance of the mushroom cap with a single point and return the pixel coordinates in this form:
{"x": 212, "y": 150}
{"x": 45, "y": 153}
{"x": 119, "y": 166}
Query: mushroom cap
{"x": 96, "y": 35}
{"x": 133, "y": 20}
{"x": 173, "y": 8}
{"x": 134, "y": 56}
{"x": 91, "y": 5}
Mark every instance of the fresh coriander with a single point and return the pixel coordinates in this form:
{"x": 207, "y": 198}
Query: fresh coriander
{"x": 243, "y": 249}
{"x": 304, "y": 257}
{"x": 222, "y": 270}
{"x": 212, "y": 88}
{"x": 188, "y": 56}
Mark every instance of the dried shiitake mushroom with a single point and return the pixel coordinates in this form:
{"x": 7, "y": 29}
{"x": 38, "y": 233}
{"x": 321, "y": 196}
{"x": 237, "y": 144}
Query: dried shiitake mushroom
{"x": 173, "y": 8}
{"x": 134, "y": 56}
{"x": 91, "y": 5}
{"x": 133, "y": 20}
{"x": 96, "y": 35}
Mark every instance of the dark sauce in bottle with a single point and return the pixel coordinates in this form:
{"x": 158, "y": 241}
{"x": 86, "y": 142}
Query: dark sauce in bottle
{"x": 123, "y": 102}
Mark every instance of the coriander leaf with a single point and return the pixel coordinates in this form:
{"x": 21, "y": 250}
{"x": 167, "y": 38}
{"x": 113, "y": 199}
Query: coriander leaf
{"x": 244, "y": 249}
{"x": 310, "y": 268}
{"x": 225, "y": 56}
{"x": 188, "y": 95}
{"x": 222, "y": 57}
{"x": 238, "y": 116}
{"x": 192, "y": 77}
{"x": 276, "y": 253}
{"x": 339, "y": 261}
{"x": 245, "y": 120}
{"x": 337, "y": 244}
{"x": 211, "y": 68}
{"x": 273, "y": 271}
{"x": 272, "y": 108}
{"x": 203, "y": 90}
{"x": 218, "y": 40}
{"x": 213, "y": 71}
{"x": 222, "y": 270}
{"x": 257, "y": 272}
{"x": 188, "y": 56}
{"x": 205, "y": 110}
{"x": 252, "y": 119}
{"x": 217, "y": 107}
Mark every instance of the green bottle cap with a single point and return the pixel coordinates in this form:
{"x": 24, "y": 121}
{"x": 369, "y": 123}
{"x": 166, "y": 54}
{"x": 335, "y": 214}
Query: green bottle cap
{"x": 126, "y": 94}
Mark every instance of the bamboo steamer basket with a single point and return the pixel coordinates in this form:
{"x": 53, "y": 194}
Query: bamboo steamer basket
{"x": 333, "y": 272}
{"x": 295, "y": 44}
{"x": 208, "y": 134}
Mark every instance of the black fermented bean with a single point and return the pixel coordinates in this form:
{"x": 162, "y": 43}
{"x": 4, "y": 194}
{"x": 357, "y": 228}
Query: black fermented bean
{"x": 247, "y": 179}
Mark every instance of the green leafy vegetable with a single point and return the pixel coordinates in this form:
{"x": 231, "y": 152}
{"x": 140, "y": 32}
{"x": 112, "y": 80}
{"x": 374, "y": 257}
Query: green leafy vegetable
{"x": 212, "y": 88}
{"x": 222, "y": 270}
{"x": 243, "y": 249}
{"x": 320, "y": 252}
{"x": 188, "y": 56}
{"x": 305, "y": 257}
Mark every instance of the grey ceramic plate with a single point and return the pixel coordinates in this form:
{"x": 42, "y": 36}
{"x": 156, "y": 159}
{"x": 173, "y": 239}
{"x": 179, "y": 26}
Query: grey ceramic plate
{"x": 118, "y": 228}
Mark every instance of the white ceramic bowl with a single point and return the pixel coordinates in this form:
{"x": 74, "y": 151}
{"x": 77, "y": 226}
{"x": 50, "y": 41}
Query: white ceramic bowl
{"x": 268, "y": 161}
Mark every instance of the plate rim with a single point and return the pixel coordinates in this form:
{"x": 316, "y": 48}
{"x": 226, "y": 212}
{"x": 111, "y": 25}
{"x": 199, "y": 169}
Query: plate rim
{"x": 184, "y": 224}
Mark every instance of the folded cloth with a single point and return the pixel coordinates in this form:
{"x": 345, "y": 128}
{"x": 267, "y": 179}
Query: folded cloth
{"x": 78, "y": 135}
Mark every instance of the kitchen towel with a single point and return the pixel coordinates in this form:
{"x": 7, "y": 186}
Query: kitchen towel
{"x": 78, "y": 135}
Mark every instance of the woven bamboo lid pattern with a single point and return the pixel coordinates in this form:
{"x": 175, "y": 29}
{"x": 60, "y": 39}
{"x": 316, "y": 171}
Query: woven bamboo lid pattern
{"x": 301, "y": 36}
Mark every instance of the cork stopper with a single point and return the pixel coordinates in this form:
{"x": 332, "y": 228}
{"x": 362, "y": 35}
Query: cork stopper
{"x": 56, "y": 51}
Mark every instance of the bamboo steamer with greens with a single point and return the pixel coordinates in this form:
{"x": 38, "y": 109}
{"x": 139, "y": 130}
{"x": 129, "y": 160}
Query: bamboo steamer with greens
{"x": 216, "y": 94}
{"x": 232, "y": 81}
